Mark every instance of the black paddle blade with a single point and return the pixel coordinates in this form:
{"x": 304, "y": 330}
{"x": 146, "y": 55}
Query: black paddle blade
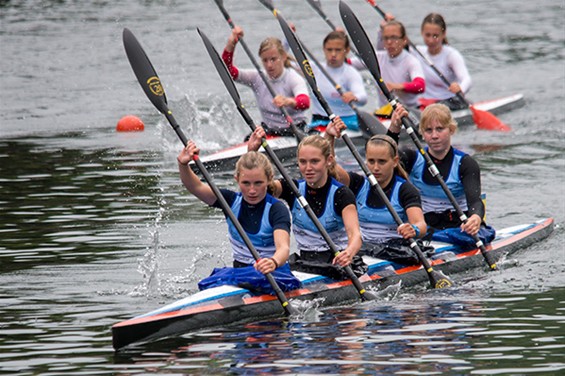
{"x": 268, "y": 4}
{"x": 369, "y": 124}
{"x": 298, "y": 52}
{"x": 144, "y": 71}
{"x": 302, "y": 60}
{"x": 361, "y": 40}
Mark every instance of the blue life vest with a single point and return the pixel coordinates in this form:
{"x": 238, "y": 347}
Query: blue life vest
{"x": 377, "y": 224}
{"x": 351, "y": 122}
{"x": 307, "y": 236}
{"x": 263, "y": 240}
{"x": 434, "y": 198}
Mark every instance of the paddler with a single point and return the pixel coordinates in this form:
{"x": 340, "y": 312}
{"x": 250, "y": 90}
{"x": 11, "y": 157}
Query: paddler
{"x": 402, "y": 73}
{"x": 336, "y": 48}
{"x": 460, "y": 171}
{"x": 265, "y": 219}
{"x": 290, "y": 86}
{"x": 382, "y": 237}
{"x": 333, "y": 204}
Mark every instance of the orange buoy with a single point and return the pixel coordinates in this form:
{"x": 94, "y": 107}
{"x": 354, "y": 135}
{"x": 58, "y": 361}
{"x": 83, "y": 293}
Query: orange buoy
{"x": 130, "y": 123}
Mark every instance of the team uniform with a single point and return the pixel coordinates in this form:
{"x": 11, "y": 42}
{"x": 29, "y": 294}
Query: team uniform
{"x": 259, "y": 222}
{"x": 288, "y": 84}
{"x": 378, "y": 227}
{"x": 327, "y": 204}
{"x": 350, "y": 80}
{"x": 403, "y": 68}
{"x": 462, "y": 176}
{"x": 452, "y": 66}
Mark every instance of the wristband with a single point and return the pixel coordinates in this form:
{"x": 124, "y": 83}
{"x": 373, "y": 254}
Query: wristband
{"x": 417, "y": 230}
{"x": 275, "y": 262}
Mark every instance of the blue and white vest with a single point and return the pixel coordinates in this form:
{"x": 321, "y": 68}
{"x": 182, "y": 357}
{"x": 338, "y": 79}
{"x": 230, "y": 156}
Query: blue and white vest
{"x": 434, "y": 198}
{"x": 263, "y": 240}
{"x": 307, "y": 236}
{"x": 377, "y": 224}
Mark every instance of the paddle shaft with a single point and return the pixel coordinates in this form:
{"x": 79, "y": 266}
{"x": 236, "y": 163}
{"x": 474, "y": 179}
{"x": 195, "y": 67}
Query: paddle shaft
{"x": 318, "y": 8}
{"x": 226, "y": 78}
{"x": 293, "y": 43}
{"x": 146, "y": 73}
{"x": 413, "y": 47}
{"x": 374, "y": 126}
{"x": 437, "y": 279}
{"x": 368, "y": 55}
{"x": 299, "y": 134}
{"x": 329, "y": 77}
{"x": 297, "y": 48}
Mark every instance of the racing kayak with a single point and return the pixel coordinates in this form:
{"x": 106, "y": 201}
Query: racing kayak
{"x": 226, "y": 305}
{"x": 285, "y": 147}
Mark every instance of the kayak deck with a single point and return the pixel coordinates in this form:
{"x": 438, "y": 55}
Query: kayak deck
{"x": 227, "y": 305}
{"x": 285, "y": 147}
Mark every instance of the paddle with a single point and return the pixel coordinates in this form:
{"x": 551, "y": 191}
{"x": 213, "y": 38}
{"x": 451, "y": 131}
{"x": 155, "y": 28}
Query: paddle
{"x": 368, "y": 123}
{"x": 318, "y": 8}
{"x": 149, "y": 81}
{"x": 484, "y": 119}
{"x": 437, "y": 279}
{"x": 227, "y": 79}
{"x": 297, "y": 132}
{"x": 367, "y": 52}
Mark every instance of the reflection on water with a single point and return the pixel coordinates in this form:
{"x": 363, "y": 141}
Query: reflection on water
{"x": 92, "y": 236}
{"x": 95, "y": 227}
{"x": 427, "y": 333}
{"x": 70, "y": 205}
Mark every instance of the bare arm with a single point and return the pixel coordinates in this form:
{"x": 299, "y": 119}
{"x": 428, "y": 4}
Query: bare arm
{"x": 282, "y": 244}
{"x": 416, "y": 218}
{"x": 333, "y": 131}
{"x": 190, "y": 180}
{"x": 351, "y": 221}
{"x": 237, "y": 32}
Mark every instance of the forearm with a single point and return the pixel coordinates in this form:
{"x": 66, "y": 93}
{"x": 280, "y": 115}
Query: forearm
{"x": 194, "y": 185}
{"x": 354, "y": 240}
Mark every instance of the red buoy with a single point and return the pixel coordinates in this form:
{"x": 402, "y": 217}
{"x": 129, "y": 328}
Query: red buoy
{"x": 130, "y": 123}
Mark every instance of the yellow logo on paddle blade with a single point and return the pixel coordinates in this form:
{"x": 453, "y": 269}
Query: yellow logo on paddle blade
{"x": 443, "y": 283}
{"x": 307, "y": 68}
{"x": 155, "y": 86}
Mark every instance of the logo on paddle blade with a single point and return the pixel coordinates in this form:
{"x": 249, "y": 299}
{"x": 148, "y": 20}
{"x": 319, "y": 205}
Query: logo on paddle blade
{"x": 307, "y": 68}
{"x": 155, "y": 86}
{"x": 443, "y": 283}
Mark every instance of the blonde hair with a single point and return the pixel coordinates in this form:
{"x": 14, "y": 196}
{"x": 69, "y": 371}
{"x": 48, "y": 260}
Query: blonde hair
{"x": 392, "y": 146}
{"x": 439, "y": 112}
{"x": 273, "y": 42}
{"x": 323, "y": 145}
{"x": 252, "y": 160}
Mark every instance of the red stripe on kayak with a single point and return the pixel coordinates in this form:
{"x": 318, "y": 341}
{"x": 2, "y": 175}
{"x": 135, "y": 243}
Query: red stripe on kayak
{"x": 168, "y": 315}
{"x": 512, "y": 239}
{"x": 331, "y": 286}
